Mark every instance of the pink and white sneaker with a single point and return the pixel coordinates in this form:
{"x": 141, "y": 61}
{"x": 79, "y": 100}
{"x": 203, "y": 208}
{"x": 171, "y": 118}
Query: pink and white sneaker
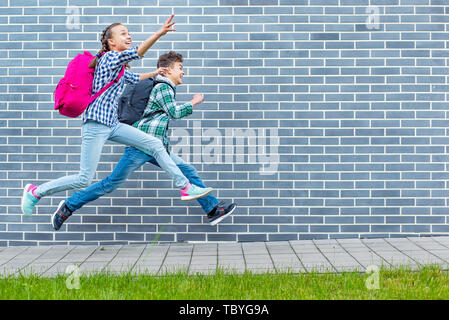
{"x": 191, "y": 192}
{"x": 29, "y": 199}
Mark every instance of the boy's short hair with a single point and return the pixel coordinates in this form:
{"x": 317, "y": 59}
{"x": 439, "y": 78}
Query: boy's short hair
{"x": 167, "y": 59}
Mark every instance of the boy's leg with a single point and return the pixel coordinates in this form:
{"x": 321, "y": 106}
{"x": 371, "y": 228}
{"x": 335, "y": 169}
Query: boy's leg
{"x": 208, "y": 202}
{"x": 131, "y": 160}
{"x": 216, "y": 210}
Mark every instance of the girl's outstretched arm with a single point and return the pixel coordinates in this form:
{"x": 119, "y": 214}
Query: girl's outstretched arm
{"x": 147, "y": 75}
{"x": 166, "y": 27}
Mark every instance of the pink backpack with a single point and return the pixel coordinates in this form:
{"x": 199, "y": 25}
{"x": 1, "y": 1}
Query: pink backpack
{"x": 74, "y": 92}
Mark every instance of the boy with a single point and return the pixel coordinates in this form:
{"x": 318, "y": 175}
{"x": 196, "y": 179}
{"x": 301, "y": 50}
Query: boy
{"x": 161, "y": 108}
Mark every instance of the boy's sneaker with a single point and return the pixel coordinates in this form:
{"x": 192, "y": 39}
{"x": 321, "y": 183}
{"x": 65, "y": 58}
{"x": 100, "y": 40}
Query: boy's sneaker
{"x": 220, "y": 212}
{"x": 192, "y": 192}
{"x": 29, "y": 199}
{"x": 61, "y": 214}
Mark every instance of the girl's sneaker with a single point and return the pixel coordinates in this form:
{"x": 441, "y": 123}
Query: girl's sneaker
{"x": 191, "y": 192}
{"x": 29, "y": 199}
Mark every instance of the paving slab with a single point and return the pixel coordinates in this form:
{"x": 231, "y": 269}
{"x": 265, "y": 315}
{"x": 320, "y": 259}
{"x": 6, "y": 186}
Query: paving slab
{"x": 77, "y": 257}
{"x": 428, "y": 244}
{"x": 203, "y": 260}
{"x": 443, "y": 240}
{"x": 357, "y": 249}
{"x": 341, "y": 260}
{"x": 442, "y": 254}
{"x": 367, "y": 260}
{"x": 150, "y": 262}
{"x": 234, "y": 256}
{"x": 291, "y": 256}
{"x": 396, "y": 258}
{"x": 402, "y": 245}
{"x": 59, "y": 268}
{"x": 10, "y": 253}
{"x": 304, "y": 249}
{"x": 349, "y": 242}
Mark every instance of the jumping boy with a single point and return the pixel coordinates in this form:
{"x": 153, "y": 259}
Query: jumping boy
{"x": 161, "y": 108}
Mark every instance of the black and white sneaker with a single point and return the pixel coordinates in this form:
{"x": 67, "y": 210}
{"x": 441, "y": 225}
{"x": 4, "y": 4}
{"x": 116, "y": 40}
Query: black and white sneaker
{"x": 221, "y": 211}
{"x": 61, "y": 214}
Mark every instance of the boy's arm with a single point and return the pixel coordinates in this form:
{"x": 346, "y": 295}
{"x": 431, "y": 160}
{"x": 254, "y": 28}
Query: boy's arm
{"x": 166, "y": 99}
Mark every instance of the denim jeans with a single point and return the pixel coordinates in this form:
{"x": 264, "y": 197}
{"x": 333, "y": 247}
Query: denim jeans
{"x": 132, "y": 160}
{"x": 94, "y": 136}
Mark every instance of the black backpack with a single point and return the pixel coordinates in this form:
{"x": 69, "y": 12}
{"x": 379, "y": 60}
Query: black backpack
{"x": 133, "y": 101}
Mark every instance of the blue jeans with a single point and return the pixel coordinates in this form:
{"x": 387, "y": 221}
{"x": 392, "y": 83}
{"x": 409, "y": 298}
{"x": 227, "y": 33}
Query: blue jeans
{"x": 94, "y": 137}
{"x": 132, "y": 160}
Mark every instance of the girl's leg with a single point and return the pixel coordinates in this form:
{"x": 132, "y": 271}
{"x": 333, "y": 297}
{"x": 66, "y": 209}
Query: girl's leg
{"x": 93, "y": 138}
{"x": 131, "y": 160}
{"x": 131, "y": 136}
{"x": 209, "y": 202}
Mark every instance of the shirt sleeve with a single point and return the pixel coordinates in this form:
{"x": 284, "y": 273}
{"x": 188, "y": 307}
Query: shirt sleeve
{"x": 115, "y": 59}
{"x": 166, "y": 98}
{"x": 131, "y": 77}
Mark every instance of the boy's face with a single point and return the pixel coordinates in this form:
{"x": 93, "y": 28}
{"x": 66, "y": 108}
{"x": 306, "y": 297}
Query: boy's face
{"x": 121, "y": 39}
{"x": 175, "y": 73}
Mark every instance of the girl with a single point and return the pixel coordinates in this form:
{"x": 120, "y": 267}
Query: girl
{"x": 100, "y": 121}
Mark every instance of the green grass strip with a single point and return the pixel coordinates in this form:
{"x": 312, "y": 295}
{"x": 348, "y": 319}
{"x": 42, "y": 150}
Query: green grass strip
{"x": 429, "y": 282}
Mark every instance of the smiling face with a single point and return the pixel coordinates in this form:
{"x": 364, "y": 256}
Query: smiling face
{"x": 175, "y": 73}
{"x": 121, "y": 39}
{"x": 173, "y": 62}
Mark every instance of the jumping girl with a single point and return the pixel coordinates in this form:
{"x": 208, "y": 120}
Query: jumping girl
{"x": 100, "y": 120}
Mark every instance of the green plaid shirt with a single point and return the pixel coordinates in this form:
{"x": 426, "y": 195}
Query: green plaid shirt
{"x": 162, "y": 100}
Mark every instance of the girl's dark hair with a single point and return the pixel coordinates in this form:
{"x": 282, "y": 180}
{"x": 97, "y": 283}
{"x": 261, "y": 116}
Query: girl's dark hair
{"x": 167, "y": 59}
{"x": 105, "y": 35}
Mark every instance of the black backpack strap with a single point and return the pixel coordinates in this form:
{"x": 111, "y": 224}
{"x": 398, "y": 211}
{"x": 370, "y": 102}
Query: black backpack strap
{"x": 159, "y": 111}
{"x": 157, "y": 82}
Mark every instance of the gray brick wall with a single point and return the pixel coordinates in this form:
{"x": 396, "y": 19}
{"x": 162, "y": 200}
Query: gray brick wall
{"x": 351, "y": 92}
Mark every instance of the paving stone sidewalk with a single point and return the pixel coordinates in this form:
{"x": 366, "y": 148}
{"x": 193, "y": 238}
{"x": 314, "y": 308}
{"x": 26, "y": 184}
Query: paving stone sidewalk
{"x": 206, "y": 258}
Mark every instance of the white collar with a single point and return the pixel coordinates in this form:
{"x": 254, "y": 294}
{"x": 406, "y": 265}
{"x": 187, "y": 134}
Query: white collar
{"x": 160, "y": 78}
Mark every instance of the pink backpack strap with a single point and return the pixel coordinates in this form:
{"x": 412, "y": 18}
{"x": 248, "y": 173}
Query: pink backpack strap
{"x": 95, "y": 96}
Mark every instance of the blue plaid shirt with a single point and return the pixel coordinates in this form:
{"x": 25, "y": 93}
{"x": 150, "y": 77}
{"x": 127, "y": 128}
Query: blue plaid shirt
{"x": 104, "y": 108}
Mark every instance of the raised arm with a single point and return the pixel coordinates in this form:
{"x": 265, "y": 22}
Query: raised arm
{"x": 148, "y": 43}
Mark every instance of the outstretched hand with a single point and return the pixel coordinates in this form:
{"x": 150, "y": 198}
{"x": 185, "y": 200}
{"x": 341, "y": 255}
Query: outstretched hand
{"x": 197, "y": 99}
{"x": 161, "y": 71}
{"x": 167, "y": 26}
{"x": 148, "y": 43}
